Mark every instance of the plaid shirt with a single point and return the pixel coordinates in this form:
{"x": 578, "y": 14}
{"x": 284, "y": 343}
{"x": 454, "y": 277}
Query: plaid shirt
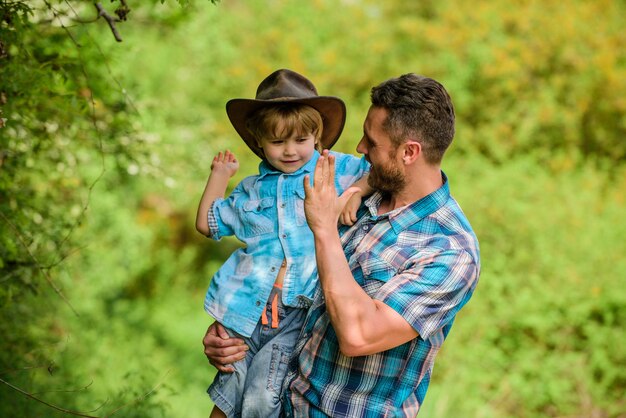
{"x": 422, "y": 260}
{"x": 266, "y": 213}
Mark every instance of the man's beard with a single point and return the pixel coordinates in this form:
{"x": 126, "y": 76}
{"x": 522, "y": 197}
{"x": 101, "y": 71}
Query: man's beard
{"x": 387, "y": 179}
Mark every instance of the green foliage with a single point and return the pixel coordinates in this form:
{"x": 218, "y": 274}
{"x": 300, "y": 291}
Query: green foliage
{"x": 543, "y": 335}
{"x": 62, "y": 113}
{"x": 53, "y": 149}
{"x": 106, "y": 147}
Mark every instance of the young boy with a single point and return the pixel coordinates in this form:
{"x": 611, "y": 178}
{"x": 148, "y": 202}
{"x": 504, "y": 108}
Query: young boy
{"x": 262, "y": 291}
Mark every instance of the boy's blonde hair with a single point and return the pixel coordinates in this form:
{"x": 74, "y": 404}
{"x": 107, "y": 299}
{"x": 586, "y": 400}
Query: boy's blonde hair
{"x": 283, "y": 121}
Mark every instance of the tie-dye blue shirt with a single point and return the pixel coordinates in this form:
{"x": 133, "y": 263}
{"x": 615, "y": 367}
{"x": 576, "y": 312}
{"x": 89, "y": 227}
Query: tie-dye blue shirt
{"x": 266, "y": 212}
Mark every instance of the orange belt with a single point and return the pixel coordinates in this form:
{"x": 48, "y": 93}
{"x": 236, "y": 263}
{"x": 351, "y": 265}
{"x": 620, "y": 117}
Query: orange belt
{"x": 264, "y": 320}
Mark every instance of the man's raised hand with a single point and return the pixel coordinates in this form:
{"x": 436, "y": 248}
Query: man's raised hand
{"x": 322, "y": 206}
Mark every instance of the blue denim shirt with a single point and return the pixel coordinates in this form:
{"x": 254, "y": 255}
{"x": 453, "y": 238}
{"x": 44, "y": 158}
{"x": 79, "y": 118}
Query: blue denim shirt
{"x": 266, "y": 212}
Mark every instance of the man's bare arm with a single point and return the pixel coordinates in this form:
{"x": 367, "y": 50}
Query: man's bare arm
{"x": 363, "y": 325}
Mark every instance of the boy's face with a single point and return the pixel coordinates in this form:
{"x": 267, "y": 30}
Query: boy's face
{"x": 288, "y": 151}
{"x": 289, "y": 154}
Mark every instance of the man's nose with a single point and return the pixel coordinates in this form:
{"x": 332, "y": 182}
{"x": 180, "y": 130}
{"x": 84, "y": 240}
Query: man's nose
{"x": 360, "y": 148}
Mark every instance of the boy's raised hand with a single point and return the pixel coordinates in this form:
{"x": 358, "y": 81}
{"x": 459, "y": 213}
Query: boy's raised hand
{"x": 225, "y": 163}
{"x": 223, "y": 167}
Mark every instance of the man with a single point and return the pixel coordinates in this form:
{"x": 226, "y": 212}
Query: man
{"x": 411, "y": 263}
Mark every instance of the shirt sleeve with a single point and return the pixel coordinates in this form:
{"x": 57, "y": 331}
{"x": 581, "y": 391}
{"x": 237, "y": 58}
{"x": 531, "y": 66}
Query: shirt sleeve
{"x": 223, "y": 217}
{"x": 348, "y": 169}
{"x": 430, "y": 293}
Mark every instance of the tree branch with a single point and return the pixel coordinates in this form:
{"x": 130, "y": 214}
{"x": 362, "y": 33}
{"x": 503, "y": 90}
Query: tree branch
{"x": 110, "y": 20}
{"x": 71, "y": 391}
{"x": 67, "y": 411}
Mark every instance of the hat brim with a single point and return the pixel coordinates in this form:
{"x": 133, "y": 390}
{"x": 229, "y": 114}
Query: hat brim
{"x": 332, "y": 109}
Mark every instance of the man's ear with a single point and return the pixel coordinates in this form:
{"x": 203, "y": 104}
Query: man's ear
{"x": 412, "y": 150}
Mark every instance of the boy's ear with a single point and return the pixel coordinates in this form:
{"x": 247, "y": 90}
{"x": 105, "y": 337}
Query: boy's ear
{"x": 260, "y": 145}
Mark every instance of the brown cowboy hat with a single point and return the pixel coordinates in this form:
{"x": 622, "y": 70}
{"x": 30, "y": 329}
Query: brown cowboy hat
{"x": 286, "y": 86}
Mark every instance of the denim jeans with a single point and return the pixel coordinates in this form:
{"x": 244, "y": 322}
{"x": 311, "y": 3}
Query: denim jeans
{"x": 254, "y": 389}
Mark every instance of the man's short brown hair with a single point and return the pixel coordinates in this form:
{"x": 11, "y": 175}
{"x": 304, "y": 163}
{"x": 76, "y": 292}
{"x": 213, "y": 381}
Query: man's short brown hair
{"x": 419, "y": 108}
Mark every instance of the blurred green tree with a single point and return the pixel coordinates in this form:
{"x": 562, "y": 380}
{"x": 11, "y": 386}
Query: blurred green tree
{"x": 63, "y": 112}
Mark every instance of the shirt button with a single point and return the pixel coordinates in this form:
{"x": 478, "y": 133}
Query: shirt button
{"x": 282, "y": 205}
{"x": 273, "y": 269}
{"x": 365, "y": 227}
{"x": 258, "y": 303}
{"x": 284, "y": 235}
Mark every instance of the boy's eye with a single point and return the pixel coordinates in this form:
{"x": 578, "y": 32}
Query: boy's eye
{"x": 302, "y": 139}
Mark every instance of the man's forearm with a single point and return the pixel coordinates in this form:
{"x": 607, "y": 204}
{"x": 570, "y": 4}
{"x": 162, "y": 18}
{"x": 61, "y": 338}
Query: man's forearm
{"x": 348, "y": 306}
{"x": 363, "y": 325}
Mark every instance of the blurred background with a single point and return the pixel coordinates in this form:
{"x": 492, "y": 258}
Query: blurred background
{"x": 105, "y": 148}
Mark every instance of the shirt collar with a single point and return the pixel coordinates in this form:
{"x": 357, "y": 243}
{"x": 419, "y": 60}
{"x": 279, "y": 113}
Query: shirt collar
{"x": 403, "y": 217}
{"x": 266, "y": 169}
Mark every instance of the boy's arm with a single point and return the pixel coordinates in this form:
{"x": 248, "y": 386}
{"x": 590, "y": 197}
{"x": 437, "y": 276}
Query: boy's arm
{"x": 348, "y": 214}
{"x": 224, "y": 166}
